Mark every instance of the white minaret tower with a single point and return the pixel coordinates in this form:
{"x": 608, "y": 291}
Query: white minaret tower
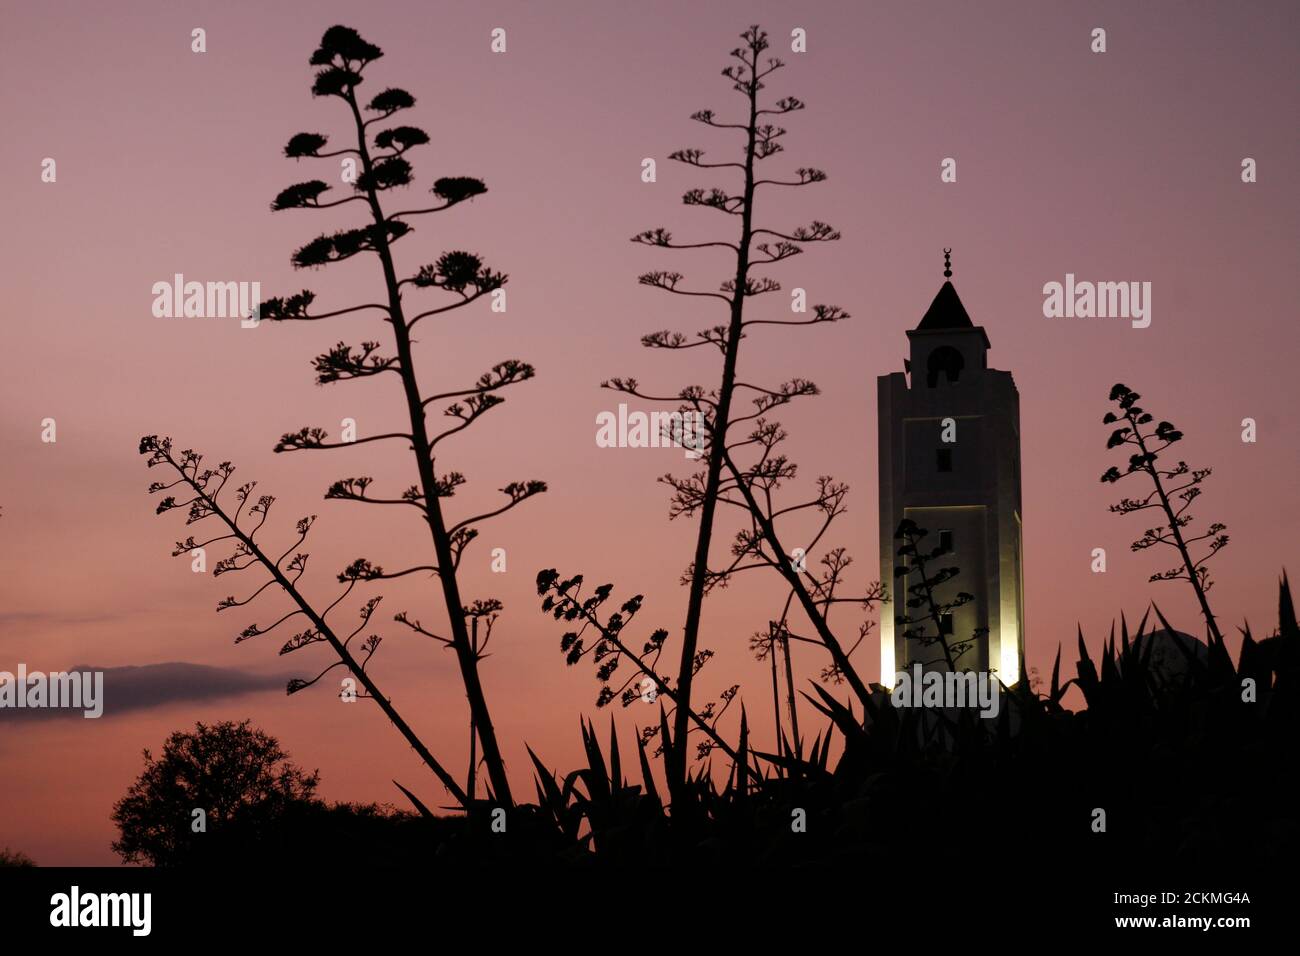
{"x": 964, "y": 492}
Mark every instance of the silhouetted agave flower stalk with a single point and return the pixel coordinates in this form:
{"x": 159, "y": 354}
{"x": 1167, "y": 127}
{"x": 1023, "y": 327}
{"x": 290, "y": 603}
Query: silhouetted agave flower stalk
{"x": 380, "y": 151}
{"x": 723, "y": 479}
{"x": 1170, "y": 493}
{"x": 200, "y": 491}
{"x": 929, "y": 627}
{"x": 606, "y": 644}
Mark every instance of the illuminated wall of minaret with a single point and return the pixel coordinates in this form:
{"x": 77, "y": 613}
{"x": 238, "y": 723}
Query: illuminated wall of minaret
{"x": 965, "y": 493}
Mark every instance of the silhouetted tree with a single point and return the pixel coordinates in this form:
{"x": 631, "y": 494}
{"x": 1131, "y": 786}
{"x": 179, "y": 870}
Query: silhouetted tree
{"x": 201, "y": 489}
{"x": 1172, "y": 499}
{"x": 930, "y": 627}
{"x": 15, "y": 858}
{"x": 230, "y": 771}
{"x": 343, "y": 57}
{"x": 753, "y": 248}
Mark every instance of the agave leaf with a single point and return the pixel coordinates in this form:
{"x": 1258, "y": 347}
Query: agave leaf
{"x": 646, "y": 776}
{"x": 554, "y": 800}
{"x": 1287, "y": 628}
{"x": 841, "y": 715}
{"x": 1194, "y": 662}
{"x": 741, "y": 766}
{"x": 784, "y": 747}
{"x": 419, "y": 805}
{"x": 1087, "y": 672}
{"x": 1142, "y": 626}
{"x": 790, "y": 762}
{"x": 596, "y": 761}
{"x": 615, "y": 765}
{"x": 824, "y": 757}
{"x": 665, "y": 737}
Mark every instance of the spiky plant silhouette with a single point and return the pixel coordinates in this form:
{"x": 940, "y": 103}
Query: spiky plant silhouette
{"x": 753, "y": 248}
{"x": 381, "y": 150}
{"x": 605, "y": 643}
{"x": 1170, "y": 493}
{"x": 1134, "y": 750}
{"x": 200, "y": 493}
{"x": 15, "y": 858}
{"x": 933, "y": 625}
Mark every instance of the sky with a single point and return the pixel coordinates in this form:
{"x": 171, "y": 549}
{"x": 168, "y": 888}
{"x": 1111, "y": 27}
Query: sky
{"x": 1117, "y": 166}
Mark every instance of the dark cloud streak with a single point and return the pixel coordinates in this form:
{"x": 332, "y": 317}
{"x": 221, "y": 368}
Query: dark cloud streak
{"x": 149, "y": 686}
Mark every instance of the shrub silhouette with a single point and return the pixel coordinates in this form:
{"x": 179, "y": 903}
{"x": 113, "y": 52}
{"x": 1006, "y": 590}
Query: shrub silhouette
{"x": 15, "y": 858}
{"x": 1191, "y": 772}
{"x": 236, "y": 774}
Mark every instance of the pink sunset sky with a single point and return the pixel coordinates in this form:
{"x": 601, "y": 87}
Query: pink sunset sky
{"x": 1121, "y": 166}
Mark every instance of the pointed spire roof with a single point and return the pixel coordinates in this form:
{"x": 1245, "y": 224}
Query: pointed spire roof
{"x": 945, "y": 312}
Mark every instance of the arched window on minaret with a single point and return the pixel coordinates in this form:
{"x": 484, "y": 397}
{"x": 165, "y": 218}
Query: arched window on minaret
{"x": 944, "y": 360}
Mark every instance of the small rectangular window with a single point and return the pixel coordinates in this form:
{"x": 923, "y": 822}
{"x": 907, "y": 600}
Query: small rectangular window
{"x": 945, "y": 541}
{"x": 945, "y": 624}
{"x": 943, "y": 459}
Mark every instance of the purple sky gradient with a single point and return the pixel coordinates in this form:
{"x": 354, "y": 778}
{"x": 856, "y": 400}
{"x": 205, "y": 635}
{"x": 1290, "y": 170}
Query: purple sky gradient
{"x": 1119, "y": 166}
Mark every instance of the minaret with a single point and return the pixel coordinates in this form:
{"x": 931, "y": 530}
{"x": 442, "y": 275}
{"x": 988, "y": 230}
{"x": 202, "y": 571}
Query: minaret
{"x": 965, "y": 491}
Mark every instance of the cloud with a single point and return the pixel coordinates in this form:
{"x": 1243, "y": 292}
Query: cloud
{"x": 147, "y": 686}
{"x": 17, "y": 620}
